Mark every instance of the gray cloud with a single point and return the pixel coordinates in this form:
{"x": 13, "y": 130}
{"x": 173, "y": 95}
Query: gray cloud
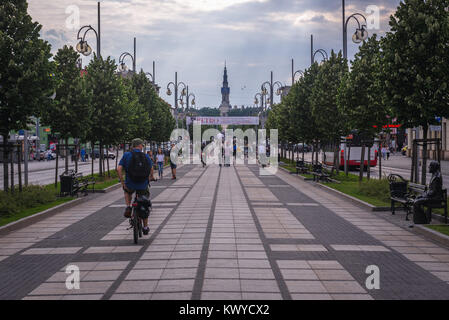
{"x": 195, "y": 37}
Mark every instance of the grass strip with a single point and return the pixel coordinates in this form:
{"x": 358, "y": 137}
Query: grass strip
{"x": 4, "y": 220}
{"x": 444, "y": 229}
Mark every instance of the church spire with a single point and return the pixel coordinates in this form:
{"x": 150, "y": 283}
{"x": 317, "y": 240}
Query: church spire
{"x": 225, "y": 91}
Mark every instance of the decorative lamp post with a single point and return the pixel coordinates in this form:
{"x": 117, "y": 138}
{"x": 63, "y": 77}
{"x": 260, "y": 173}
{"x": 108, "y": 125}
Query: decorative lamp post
{"x": 176, "y": 86}
{"x": 271, "y": 85}
{"x": 361, "y": 34}
{"x": 82, "y": 46}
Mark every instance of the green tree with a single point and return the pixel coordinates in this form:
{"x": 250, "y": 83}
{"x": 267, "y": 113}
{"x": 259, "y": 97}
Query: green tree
{"x": 303, "y": 122}
{"x": 109, "y": 113}
{"x": 25, "y": 82}
{"x": 416, "y": 64}
{"x": 327, "y": 115}
{"x": 69, "y": 114}
{"x": 137, "y": 107}
{"x": 360, "y": 94}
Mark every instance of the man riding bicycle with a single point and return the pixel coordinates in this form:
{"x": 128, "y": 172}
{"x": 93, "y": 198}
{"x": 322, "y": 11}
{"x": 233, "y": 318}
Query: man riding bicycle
{"x": 137, "y": 166}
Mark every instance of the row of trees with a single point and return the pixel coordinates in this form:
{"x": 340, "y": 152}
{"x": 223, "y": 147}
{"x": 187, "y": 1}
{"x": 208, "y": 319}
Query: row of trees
{"x": 99, "y": 107}
{"x": 403, "y": 75}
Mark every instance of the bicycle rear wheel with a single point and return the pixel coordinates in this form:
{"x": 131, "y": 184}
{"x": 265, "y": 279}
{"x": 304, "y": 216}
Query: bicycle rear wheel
{"x": 135, "y": 227}
{"x": 140, "y": 228}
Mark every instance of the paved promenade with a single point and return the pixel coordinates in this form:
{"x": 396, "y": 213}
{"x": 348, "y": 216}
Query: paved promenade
{"x": 223, "y": 233}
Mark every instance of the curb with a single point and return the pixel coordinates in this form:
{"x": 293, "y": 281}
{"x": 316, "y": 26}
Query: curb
{"x": 24, "y": 222}
{"x": 108, "y": 189}
{"x": 434, "y": 235}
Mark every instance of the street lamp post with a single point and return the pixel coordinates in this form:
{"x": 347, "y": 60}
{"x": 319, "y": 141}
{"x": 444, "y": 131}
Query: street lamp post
{"x": 295, "y": 73}
{"x": 271, "y": 86}
{"x": 82, "y": 46}
{"x": 176, "y": 86}
{"x": 122, "y": 57}
{"x": 361, "y": 34}
{"x": 314, "y": 53}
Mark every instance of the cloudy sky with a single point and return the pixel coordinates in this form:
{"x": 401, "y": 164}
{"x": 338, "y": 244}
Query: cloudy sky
{"x": 196, "y": 37}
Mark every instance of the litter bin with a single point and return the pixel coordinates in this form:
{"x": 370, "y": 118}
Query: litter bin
{"x": 67, "y": 180}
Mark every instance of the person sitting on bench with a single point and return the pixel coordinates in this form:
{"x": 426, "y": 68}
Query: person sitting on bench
{"x": 432, "y": 196}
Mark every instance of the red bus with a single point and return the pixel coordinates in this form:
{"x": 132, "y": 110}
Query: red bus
{"x": 354, "y": 150}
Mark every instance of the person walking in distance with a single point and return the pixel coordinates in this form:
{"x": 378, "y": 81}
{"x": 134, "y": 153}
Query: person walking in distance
{"x": 150, "y": 154}
{"x": 172, "y": 163}
{"x": 137, "y": 166}
{"x": 160, "y": 162}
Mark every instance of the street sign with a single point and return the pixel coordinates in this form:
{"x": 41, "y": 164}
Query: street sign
{"x": 435, "y": 128}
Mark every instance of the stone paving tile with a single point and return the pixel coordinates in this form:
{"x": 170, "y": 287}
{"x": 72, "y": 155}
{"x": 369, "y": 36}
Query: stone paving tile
{"x": 305, "y": 286}
{"x": 131, "y": 296}
{"x": 138, "y": 286}
{"x": 172, "y": 296}
{"x": 145, "y": 274}
{"x": 221, "y": 296}
{"x": 175, "y": 285}
{"x": 221, "y": 285}
{"x": 261, "y": 296}
{"x": 57, "y": 288}
{"x": 343, "y": 287}
{"x": 311, "y": 296}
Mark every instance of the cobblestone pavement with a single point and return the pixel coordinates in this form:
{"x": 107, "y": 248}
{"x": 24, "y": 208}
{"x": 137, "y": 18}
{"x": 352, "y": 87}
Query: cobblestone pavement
{"x": 223, "y": 233}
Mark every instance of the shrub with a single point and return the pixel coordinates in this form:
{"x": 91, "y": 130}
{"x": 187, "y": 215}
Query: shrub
{"x": 31, "y": 196}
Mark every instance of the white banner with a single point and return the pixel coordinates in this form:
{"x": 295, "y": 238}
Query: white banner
{"x": 249, "y": 121}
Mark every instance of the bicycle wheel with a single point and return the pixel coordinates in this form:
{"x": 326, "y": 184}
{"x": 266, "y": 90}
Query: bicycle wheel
{"x": 140, "y": 228}
{"x": 135, "y": 227}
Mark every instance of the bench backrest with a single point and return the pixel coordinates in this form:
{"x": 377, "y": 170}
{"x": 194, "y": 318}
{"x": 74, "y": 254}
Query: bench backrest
{"x": 398, "y": 189}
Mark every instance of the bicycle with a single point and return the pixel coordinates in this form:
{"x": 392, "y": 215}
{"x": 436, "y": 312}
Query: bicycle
{"x": 140, "y": 210}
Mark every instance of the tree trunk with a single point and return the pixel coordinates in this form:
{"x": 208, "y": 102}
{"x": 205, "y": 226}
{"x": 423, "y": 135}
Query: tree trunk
{"x": 368, "y": 168}
{"x": 379, "y": 155}
{"x": 19, "y": 166}
{"x": 362, "y": 164}
{"x": 92, "y": 156}
{"x": 303, "y": 152}
{"x": 66, "y": 152}
{"x": 76, "y": 156}
{"x": 316, "y": 154}
{"x": 107, "y": 160}
{"x": 56, "y": 168}
{"x": 5, "y": 164}
{"x": 116, "y": 159}
{"x": 12, "y": 170}
{"x": 424, "y": 156}
{"x": 337, "y": 158}
{"x": 100, "y": 159}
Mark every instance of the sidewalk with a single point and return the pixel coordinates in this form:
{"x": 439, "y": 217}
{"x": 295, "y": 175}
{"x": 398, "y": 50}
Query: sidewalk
{"x": 224, "y": 234}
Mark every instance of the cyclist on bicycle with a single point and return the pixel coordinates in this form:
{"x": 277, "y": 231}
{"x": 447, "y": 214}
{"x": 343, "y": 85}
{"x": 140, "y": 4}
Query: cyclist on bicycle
{"x": 137, "y": 166}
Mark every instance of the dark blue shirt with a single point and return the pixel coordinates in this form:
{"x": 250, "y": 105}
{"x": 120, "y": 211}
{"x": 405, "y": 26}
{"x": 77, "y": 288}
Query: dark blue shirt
{"x": 125, "y": 162}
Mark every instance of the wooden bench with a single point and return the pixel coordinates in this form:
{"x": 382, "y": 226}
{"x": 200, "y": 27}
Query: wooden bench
{"x": 404, "y": 192}
{"x": 301, "y": 167}
{"x": 319, "y": 173}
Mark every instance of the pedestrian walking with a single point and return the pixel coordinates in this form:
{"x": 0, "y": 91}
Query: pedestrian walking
{"x": 151, "y": 156}
{"x": 160, "y": 162}
{"x": 384, "y": 152}
{"x": 388, "y": 153}
{"x": 172, "y": 163}
{"x": 83, "y": 155}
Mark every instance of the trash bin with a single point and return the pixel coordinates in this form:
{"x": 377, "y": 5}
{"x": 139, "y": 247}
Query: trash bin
{"x": 67, "y": 179}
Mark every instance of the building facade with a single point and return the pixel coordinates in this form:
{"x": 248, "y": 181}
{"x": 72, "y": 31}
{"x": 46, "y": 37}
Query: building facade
{"x": 435, "y": 132}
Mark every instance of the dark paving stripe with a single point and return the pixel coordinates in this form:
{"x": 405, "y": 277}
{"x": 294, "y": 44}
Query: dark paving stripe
{"x": 400, "y": 278}
{"x": 130, "y": 266}
{"x": 272, "y": 260}
{"x": 199, "y": 280}
{"x": 21, "y": 274}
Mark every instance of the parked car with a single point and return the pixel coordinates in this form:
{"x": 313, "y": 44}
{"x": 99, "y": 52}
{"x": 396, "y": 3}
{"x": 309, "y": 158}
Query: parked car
{"x": 106, "y": 153}
{"x": 49, "y": 155}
